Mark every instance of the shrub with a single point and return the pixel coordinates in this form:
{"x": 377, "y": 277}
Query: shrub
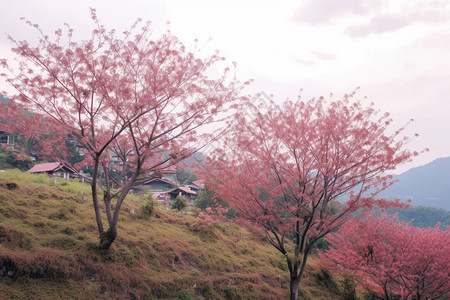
{"x": 14, "y": 159}
{"x": 179, "y": 203}
{"x": 148, "y": 208}
{"x": 349, "y": 289}
{"x": 186, "y": 295}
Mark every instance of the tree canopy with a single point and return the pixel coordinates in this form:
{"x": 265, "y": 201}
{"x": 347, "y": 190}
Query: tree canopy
{"x": 288, "y": 168}
{"x": 131, "y": 102}
{"x": 392, "y": 260}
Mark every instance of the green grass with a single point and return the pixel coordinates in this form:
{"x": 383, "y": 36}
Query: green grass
{"x": 48, "y": 239}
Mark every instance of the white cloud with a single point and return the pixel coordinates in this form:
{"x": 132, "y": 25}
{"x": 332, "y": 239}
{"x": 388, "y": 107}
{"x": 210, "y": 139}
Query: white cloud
{"x": 316, "y": 12}
{"x": 392, "y": 18}
{"x": 379, "y": 24}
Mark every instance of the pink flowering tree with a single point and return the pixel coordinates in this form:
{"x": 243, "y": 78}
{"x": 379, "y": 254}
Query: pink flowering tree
{"x": 130, "y": 100}
{"x": 392, "y": 260}
{"x": 299, "y": 171}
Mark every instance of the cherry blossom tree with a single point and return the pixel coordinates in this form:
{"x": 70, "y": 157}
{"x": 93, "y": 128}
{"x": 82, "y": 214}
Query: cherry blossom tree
{"x": 132, "y": 102}
{"x": 392, "y": 260}
{"x": 299, "y": 171}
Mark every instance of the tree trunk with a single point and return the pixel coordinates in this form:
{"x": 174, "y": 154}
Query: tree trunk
{"x": 107, "y": 201}
{"x": 295, "y": 281}
{"x": 296, "y": 274}
{"x": 107, "y": 238}
{"x": 98, "y": 216}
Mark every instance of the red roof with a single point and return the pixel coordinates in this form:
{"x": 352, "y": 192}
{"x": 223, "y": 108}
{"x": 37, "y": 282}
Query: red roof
{"x": 48, "y": 167}
{"x": 53, "y": 166}
{"x": 187, "y": 191}
{"x": 199, "y": 183}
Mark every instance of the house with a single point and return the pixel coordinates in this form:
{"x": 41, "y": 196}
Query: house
{"x": 160, "y": 182}
{"x": 197, "y": 185}
{"x": 55, "y": 169}
{"x": 190, "y": 195}
{"x": 159, "y": 186}
{"x": 164, "y": 187}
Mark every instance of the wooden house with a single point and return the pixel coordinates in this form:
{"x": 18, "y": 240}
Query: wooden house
{"x": 190, "y": 195}
{"x": 159, "y": 185}
{"x": 57, "y": 169}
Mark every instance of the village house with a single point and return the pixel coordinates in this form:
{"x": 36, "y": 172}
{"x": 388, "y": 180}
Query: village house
{"x": 159, "y": 186}
{"x": 197, "y": 186}
{"x": 183, "y": 191}
{"x": 57, "y": 169}
{"x": 165, "y": 187}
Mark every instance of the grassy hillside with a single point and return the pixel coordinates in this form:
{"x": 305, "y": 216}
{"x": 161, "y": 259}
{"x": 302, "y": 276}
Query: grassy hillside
{"x": 48, "y": 251}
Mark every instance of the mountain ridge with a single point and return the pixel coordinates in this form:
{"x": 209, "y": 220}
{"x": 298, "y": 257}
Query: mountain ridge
{"x": 427, "y": 185}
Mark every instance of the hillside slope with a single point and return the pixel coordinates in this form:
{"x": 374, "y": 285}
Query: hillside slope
{"x": 48, "y": 251}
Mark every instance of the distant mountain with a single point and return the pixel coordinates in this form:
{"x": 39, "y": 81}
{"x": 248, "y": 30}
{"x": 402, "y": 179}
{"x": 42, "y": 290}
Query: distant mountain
{"x": 197, "y": 158}
{"x": 3, "y": 99}
{"x": 428, "y": 185}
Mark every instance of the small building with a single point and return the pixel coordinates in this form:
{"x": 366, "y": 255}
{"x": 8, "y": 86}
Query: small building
{"x": 190, "y": 195}
{"x": 159, "y": 185}
{"x": 197, "y": 185}
{"x": 57, "y": 169}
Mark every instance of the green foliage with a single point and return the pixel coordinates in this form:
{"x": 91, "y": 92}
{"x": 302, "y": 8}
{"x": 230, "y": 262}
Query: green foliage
{"x": 324, "y": 278}
{"x": 207, "y": 199}
{"x": 74, "y": 157}
{"x": 230, "y": 293}
{"x": 322, "y": 244}
{"x": 62, "y": 242}
{"x": 67, "y": 231}
{"x": 184, "y": 294}
{"x": 14, "y": 160}
{"x": 61, "y": 214}
{"x": 179, "y": 203}
{"x": 348, "y": 289}
{"x": 3, "y": 163}
{"x": 423, "y": 216}
{"x": 184, "y": 176}
{"x": 209, "y": 292}
{"x": 370, "y": 297}
{"x": 148, "y": 207}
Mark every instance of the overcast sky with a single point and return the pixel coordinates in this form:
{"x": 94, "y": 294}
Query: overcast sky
{"x": 397, "y": 51}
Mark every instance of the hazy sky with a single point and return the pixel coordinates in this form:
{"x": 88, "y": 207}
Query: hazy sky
{"x": 397, "y": 51}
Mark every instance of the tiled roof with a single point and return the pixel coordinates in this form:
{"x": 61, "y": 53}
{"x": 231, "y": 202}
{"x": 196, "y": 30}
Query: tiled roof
{"x": 187, "y": 191}
{"x": 159, "y": 179}
{"x": 50, "y": 167}
{"x": 199, "y": 183}
{"x": 53, "y": 166}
